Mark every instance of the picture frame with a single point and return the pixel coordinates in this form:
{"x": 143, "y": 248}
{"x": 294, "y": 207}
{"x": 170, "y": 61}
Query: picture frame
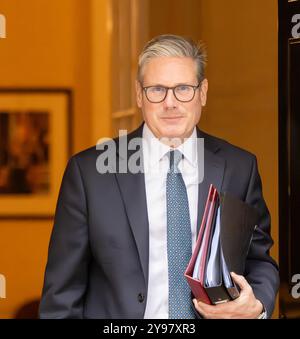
{"x": 35, "y": 144}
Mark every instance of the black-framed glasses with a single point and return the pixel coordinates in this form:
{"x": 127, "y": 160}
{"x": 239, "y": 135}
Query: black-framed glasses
{"x": 183, "y": 93}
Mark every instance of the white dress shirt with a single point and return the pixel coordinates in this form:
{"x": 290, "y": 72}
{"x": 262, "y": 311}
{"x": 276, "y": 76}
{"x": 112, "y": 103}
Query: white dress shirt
{"x": 156, "y": 164}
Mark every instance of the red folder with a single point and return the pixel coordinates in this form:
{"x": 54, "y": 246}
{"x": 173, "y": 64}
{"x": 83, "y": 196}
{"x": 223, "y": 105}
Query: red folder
{"x": 197, "y": 285}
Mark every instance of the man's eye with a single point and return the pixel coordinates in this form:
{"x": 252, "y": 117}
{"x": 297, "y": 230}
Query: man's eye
{"x": 183, "y": 88}
{"x": 157, "y": 89}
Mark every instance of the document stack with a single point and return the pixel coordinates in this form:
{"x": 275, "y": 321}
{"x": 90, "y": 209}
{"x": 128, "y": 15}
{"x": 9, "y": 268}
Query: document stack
{"x": 223, "y": 243}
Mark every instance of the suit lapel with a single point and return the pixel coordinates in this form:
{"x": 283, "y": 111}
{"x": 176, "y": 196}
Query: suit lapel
{"x": 214, "y": 167}
{"x": 132, "y": 188}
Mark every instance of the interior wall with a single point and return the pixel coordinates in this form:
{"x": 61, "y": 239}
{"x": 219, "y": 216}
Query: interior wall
{"x": 47, "y": 45}
{"x": 174, "y": 17}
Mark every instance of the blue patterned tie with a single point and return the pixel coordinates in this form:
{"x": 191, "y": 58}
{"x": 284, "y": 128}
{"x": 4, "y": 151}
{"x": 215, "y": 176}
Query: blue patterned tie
{"x": 179, "y": 241}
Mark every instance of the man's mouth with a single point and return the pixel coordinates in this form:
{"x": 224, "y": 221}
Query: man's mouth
{"x": 172, "y": 117}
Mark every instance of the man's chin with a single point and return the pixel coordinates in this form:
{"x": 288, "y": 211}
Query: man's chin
{"x": 173, "y": 133}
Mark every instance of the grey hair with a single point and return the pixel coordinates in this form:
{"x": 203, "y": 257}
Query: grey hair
{"x": 173, "y": 46}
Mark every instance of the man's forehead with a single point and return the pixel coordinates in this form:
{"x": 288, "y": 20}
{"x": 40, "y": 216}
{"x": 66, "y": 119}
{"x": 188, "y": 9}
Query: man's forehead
{"x": 170, "y": 69}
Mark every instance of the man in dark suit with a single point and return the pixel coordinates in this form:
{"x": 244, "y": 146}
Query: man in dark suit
{"x": 122, "y": 238}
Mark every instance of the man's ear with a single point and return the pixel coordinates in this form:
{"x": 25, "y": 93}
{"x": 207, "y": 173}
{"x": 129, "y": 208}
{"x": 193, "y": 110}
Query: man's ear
{"x": 203, "y": 91}
{"x": 139, "y": 93}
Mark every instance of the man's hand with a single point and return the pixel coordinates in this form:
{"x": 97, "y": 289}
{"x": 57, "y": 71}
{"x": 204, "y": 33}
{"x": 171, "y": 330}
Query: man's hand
{"x": 246, "y": 306}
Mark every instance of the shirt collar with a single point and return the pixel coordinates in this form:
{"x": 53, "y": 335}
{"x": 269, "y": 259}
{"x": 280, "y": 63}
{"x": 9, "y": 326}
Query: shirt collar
{"x": 156, "y": 150}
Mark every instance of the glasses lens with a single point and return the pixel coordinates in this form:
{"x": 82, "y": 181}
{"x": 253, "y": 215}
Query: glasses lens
{"x": 156, "y": 93}
{"x": 184, "y": 93}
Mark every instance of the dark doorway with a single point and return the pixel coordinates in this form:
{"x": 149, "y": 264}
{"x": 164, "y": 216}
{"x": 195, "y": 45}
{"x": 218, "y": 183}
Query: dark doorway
{"x": 289, "y": 157}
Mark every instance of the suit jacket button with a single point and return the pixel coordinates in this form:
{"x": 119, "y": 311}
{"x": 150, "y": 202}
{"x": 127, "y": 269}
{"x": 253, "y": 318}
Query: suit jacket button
{"x": 141, "y": 297}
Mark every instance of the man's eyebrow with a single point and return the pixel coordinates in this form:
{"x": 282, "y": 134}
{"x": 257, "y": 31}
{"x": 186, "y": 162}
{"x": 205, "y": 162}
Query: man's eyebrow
{"x": 154, "y": 85}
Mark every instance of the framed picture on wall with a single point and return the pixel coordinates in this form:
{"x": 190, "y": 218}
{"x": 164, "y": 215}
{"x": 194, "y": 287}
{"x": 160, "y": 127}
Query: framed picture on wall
{"x": 34, "y": 149}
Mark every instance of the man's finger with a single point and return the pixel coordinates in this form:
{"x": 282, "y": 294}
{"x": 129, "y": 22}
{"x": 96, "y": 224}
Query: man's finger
{"x": 220, "y": 311}
{"x": 240, "y": 281}
{"x": 203, "y": 308}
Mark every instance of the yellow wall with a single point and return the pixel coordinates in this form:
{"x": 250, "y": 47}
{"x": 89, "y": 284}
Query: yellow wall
{"x": 47, "y": 45}
{"x": 175, "y": 17}
{"x": 23, "y": 254}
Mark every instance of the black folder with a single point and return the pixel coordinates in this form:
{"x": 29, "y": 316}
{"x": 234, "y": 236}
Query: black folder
{"x": 222, "y": 246}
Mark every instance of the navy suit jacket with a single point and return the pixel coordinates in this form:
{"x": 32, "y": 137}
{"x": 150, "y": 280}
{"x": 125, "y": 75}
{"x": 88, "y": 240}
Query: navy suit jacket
{"x": 99, "y": 249}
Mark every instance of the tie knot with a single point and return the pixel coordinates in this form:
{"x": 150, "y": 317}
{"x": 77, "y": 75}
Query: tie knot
{"x": 175, "y": 158}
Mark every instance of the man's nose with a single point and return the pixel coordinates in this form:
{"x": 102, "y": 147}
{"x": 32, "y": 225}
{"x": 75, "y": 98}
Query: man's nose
{"x": 170, "y": 101}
